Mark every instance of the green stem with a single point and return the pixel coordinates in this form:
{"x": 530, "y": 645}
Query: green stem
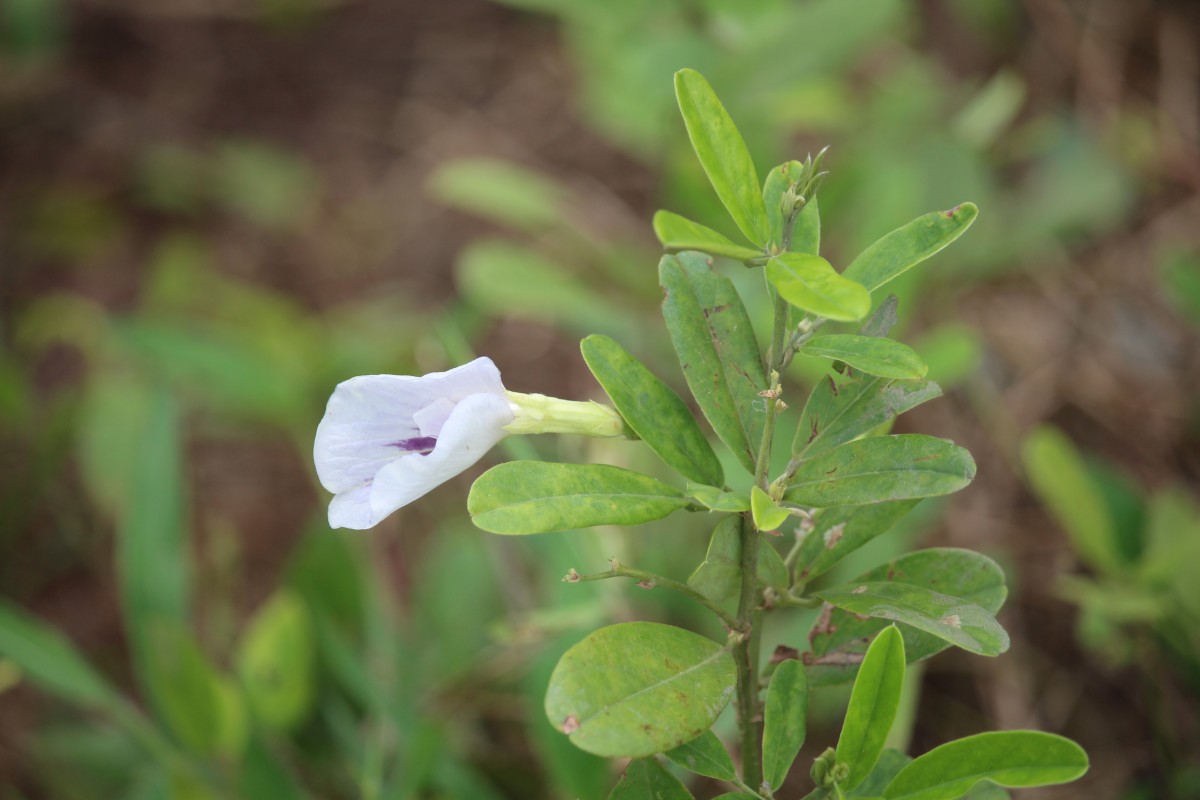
{"x": 652, "y": 579}
{"x": 745, "y": 651}
{"x": 778, "y": 332}
{"x": 741, "y": 786}
{"x": 745, "y": 656}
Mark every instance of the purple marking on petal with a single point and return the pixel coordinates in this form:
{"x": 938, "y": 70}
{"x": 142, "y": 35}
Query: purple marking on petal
{"x": 422, "y": 445}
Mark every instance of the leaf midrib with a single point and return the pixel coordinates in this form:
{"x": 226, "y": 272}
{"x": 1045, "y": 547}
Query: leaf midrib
{"x": 871, "y": 474}
{"x": 608, "y": 706}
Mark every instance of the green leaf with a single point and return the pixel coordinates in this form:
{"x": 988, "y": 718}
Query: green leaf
{"x": 569, "y": 771}
{"x": 151, "y": 558}
{"x": 505, "y": 279}
{"x": 882, "y": 319}
{"x": 276, "y": 661}
{"x": 704, "y": 755}
{"x": 49, "y": 659}
{"x": 840, "y": 639}
{"x": 639, "y": 688}
{"x": 679, "y": 233}
{"x": 1015, "y": 759}
{"x": 837, "y": 532}
{"x": 869, "y": 354}
{"x": 767, "y": 515}
{"x": 261, "y": 776}
{"x": 785, "y": 721}
{"x": 646, "y": 779}
{"x": 882, "y": 468}
{"x": 838, "y": 411}
{"x": 712, "y": 335}
{"x": 715, "y": 499}
{"x": 500, "y": 191}
{"x": 890, "y": 763}
{"x": 188, "y": 693}
{"x": 806, "y": 230}
{"x": 810, "y": 283}
{"x": 652, "y": 410}
{"x": 111, "y": 416}
{"x": 1060, "y": 479}
{"x": 719, "y": 576}
{"x": 1172, "y": 534}
{"x": 264, "y": 183}
{"x": 722, "y": 153}
{"x": 873, "y": 704}
{"x": 953, "y": 352}
{"x": 905, "y": 247}
{"x": 539, "y": 497}
{"x": 957, "y": 621}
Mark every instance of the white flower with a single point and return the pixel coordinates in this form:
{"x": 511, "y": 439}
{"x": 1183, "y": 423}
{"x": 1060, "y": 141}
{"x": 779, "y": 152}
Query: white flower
{"x": 386, "y": 440}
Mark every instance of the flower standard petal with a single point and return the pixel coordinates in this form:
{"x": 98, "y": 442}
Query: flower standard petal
{"x": 473, "y": 428}
{"x": 370, "y": 417}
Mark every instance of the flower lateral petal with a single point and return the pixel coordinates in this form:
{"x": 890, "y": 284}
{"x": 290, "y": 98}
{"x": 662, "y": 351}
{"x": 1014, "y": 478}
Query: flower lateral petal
{"x": 473, "y": 428}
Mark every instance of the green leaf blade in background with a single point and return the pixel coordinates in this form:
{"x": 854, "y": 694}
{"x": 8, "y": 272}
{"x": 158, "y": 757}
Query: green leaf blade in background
{"x": 639, "y": 688}
{"x": 838, "y": 411}
{"x": 953, "y": 619}
{"x": 704, "y": 755}
{"x": 677, "y": 234}
{"x": 785, "y": 721}
{"x": 151, "y": 549}
{"x": 196, "y": 702}
{"x": 811, "y": 284}
{"x": 652, "y": 410}
{"x": 722, "y": 154}
{"x": 840, "y": 641}
{"x": 714, "y": 339}
{"x": 48, "y": 659}
{"x": 523, "y": 497}
{"x": 873, "y": 705}
{"x": 501, "y": 191}
{"x": 882, "y": 468}
{"x": 647, "y": 779}
{"x": 905, "y": 247}
{"x": 1059, "y": 477}
{"x": 1014, "y": 759}
{"x": 510, "y": 280}
{"x": 276, "y": 661}
{"x": 870, "y": 354}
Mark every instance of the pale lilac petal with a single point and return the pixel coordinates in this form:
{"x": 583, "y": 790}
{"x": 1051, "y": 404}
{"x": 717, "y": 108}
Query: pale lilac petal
{"x": 351, "y": 509}
{"x": 430, "y": 419}
{"x": 368, "y": 416}
{"x": 474, "y": 427}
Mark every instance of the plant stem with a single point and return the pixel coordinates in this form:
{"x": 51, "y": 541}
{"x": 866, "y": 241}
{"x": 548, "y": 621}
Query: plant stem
{"x": 745, "y": 651}
{"x": 652, "y": 580}
{"x": 745, "y": 656}
{"x": 778, "y": 332}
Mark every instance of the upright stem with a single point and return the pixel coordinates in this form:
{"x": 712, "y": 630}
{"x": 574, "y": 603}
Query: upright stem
{"x": 745, "y": 656}
{"x": 745, "y": 652}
